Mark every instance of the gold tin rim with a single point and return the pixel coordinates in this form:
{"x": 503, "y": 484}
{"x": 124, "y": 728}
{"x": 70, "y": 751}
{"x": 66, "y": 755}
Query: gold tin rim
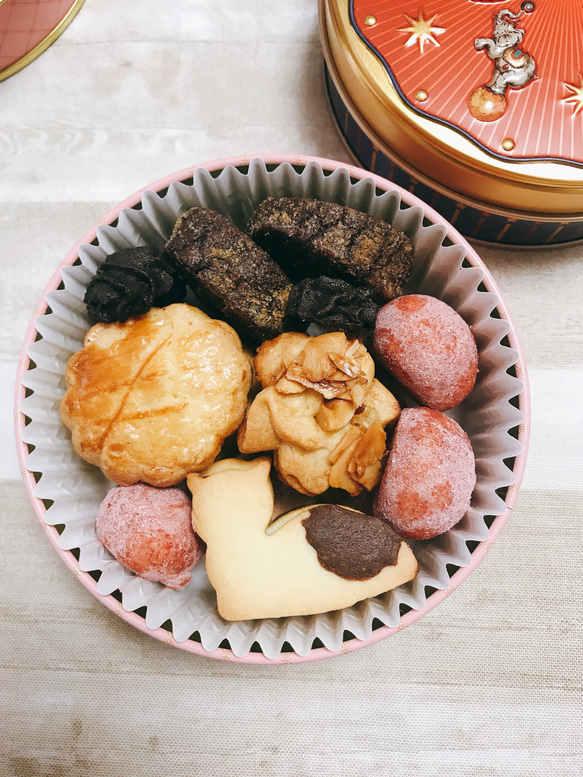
{"x": 455, "y": 196}
{"x": 44, "y": 44}
{"x": 462, "y": 169}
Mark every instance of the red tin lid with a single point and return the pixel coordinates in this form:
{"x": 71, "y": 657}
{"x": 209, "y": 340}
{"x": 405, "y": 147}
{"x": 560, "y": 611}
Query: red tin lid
{"x": 482, "y": 97}
{"x": 29, "y": 27}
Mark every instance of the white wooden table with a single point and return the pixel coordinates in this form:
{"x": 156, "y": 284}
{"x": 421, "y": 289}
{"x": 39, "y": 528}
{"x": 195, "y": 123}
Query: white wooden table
{"x": 488, "y": 683}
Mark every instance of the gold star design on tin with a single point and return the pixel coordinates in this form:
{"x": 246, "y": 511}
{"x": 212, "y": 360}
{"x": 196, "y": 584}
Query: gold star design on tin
{"x": 576, "y": 96}
{"x": 421, "y": 30}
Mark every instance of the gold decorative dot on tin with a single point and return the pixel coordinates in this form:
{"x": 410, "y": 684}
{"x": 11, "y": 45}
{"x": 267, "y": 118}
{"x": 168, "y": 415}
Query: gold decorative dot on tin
{"x": 370, "y": 20}
{"x": 421, "y": 95}
{"x": 507, "y": 144}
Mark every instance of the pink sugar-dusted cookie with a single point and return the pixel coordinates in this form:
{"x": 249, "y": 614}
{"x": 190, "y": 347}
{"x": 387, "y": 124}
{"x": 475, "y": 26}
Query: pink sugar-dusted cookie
{"x": 429, "y": 348}
{"x": 429, "y": 477}
{"x": 149, "y": 530}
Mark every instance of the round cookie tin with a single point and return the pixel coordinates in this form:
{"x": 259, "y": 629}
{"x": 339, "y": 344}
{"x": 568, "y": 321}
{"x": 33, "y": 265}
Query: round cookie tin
{"x": 474, "y": 106}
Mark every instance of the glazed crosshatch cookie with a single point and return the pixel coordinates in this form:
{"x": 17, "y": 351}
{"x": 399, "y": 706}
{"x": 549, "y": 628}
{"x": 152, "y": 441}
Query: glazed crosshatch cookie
{"x": 154, "y": 399}
{"x": 189, "y": 618}
{"x": 294, "y": 566}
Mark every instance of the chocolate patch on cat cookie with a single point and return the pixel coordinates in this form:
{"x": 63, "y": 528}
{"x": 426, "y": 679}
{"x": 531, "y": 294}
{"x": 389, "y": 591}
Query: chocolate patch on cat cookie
{"x": 350, "y": 544}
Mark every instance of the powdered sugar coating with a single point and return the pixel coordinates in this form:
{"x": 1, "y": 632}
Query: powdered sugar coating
{"x": 429, "y": 348}
{"x": 149, "y": 530}
{"x": 429, "y": 477}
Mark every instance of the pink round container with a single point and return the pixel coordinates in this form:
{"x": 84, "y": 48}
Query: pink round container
{"x": 289, "y": 168}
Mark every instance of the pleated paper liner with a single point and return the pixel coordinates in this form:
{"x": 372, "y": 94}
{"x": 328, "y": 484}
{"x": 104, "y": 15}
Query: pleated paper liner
{"x": 66, "y": 491}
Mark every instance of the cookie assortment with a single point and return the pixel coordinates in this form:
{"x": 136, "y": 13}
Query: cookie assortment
{"x": 315, "y": 405}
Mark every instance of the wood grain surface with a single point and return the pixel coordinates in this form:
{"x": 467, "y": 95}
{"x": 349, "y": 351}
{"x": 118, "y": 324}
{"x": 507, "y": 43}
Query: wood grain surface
{"x": 487, "y": 684}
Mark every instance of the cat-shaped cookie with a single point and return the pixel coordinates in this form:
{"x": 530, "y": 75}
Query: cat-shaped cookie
{"x": 261, "y": 569}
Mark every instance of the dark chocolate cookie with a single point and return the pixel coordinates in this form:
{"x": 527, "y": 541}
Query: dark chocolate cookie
{"x": 308, "y": 238}
{"x": 334, "y": 304}
{"x": 226, "y": 268}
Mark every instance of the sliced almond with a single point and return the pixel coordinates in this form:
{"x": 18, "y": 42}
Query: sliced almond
{"x": 366, "y": 416}
{"x": 334, "y": 414}
{"x": 314, "y": 362}
{"x": 368, "y": 451}
{"x": 286, "y": 386}
{"x": 340, "y": 458}
{"x": 346, "y": 365}
{"x": 329, "y": 389}
{"x": 273, "y": 357}
{"x": 383, "y": 401}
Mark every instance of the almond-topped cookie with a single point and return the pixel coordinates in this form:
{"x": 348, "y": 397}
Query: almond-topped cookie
{"x": 321, "y": 411}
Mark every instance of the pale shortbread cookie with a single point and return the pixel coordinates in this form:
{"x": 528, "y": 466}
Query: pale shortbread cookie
{"x": 154, "y": 398}
{"x": 257, "y": 574}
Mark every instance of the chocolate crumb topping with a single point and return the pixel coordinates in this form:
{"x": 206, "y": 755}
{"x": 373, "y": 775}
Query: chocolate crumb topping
{"x": 351, "y": 544}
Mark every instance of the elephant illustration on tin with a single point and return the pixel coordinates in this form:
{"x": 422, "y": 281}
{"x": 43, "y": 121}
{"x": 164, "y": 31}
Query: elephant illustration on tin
{"x": 513, "y": 68}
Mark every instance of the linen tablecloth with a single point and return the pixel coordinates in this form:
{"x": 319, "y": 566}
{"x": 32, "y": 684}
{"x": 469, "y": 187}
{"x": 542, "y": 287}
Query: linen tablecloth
{"x": 490, "y": 681}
